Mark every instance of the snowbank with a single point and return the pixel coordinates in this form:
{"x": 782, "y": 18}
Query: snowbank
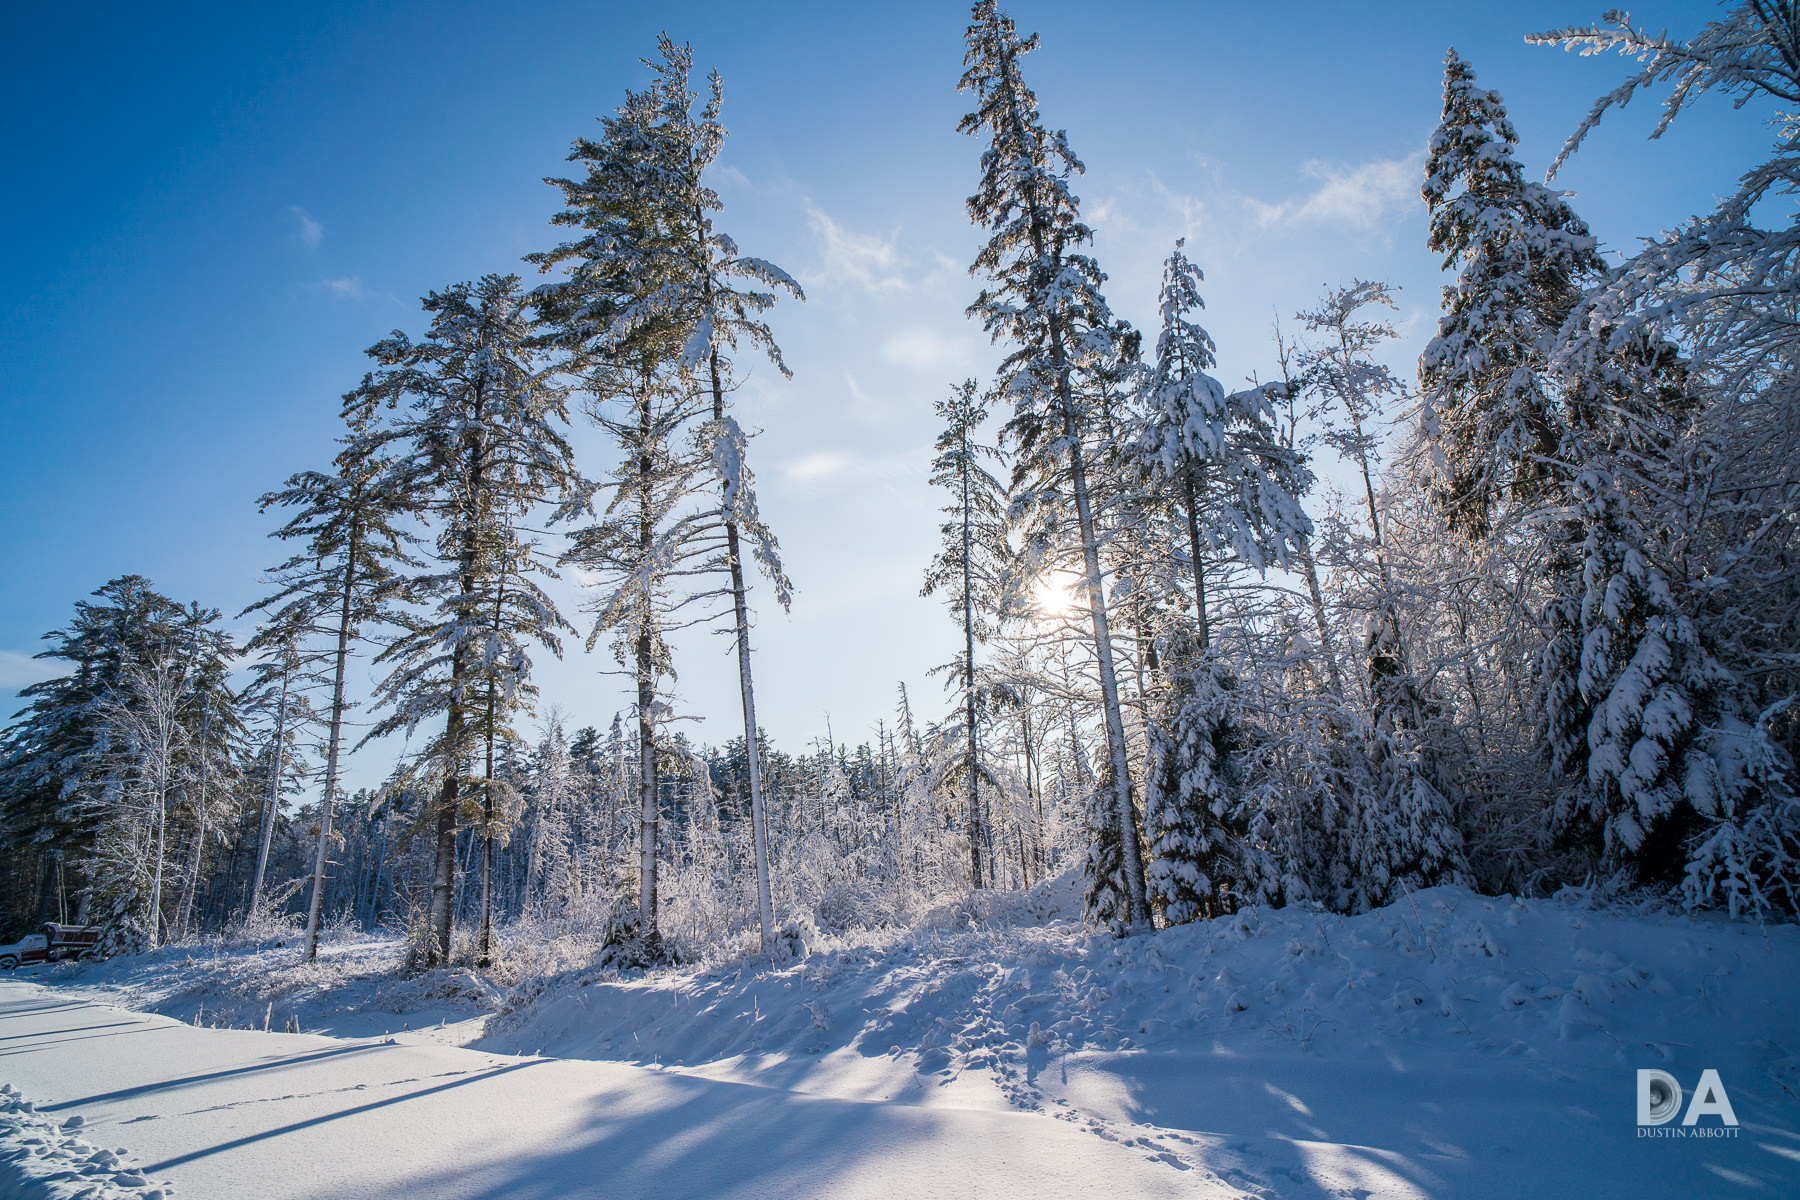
{"x": 1417, "y": 1049}
{"x": 44, "y": 1159}
{"x": 1446, "y": 971}
{"x": 355, "y": 989}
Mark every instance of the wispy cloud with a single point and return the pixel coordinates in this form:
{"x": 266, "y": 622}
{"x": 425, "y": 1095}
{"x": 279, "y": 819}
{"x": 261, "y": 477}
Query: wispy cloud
{"x": 312, "y": 232}
{"x": 1362, "y": 196}
{"x": 866, "y": 259}
{"x": 348, "y": 288}
{"x": 833, "y": 470}
{"x": 1146, "y": 210}
{"x": 925, "y": 350}
{"x": 21, "y": 670}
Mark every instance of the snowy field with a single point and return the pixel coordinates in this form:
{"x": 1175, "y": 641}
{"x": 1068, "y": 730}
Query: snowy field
{"x": 1448, "y": 1046}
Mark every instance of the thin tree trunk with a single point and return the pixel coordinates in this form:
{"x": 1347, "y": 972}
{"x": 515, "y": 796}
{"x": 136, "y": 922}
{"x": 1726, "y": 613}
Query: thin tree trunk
{"x": 765, "y": 907}
{"x": 162, "y": 809}
{"x": 648, "y": 809}
{"x": 443, "y": 867}
{"x": 1081, "y": 774}
{"x": 1362, "y": 460}
{"x": 648, "y": 812}
{"x": 1034, "y": 789}
{"x": 268, "y": 823}
{"x": 1138, "y": 909}
{"x": 487, "y": 804}
{"x": 1314, "y": 593}
{"x": 968, "y": 607}
{"x": 1203, "y": 627}
{"x": 487, "y": 862}
{"x": 334, "y": 740}
{"x": 1316, "y": 599}
{"x": 443, "y": 875}
{"x": 186, "y": 910}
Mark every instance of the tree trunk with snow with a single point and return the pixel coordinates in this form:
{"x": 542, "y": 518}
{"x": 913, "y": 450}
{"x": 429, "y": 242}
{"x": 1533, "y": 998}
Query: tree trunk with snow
{"x": 765, "y": 907}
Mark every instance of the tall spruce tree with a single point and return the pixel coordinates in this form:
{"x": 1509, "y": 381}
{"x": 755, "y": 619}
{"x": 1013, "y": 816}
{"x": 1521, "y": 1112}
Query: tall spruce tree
{"x": 1219, "y": 461}
{"x": 724, "y": 294}
{"x": 1522, "y": 258}
{"x": 971, "y": 569}
{"x": 621, "y": 318}
{"x": 348, "y": 524}
{"x": 476, "y": 429}
{"x": 1043, "y": 298}
{"x": 1221, "y": 456}
{"x": 1677, "y": 777}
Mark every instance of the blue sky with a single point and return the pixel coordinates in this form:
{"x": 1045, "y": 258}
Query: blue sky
{"x": 211, "y": 212}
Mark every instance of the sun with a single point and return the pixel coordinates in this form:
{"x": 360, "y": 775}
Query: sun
{"x": 1053, "y": 595}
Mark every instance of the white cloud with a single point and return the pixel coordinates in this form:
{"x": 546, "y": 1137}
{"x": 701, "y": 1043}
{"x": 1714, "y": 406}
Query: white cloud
{"x": 348, "y": 288}
{"x": 21, "y": 670}
{"x": 1362, "y": 196}
{"x": 832, "y": 470}
{"x": 1416, "y": 323}
{"x": 312, "y": 232}
{"x": 863, "y": 404}
{"x": 925, "y": 350}
{"x": 821, "y": 467}
{"x": 1138, "y": 211}
{"x": 866, "y": 259}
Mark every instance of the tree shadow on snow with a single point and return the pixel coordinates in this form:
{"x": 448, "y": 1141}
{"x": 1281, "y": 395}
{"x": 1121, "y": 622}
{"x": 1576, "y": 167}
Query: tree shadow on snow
{"x": 677, "y": 1137}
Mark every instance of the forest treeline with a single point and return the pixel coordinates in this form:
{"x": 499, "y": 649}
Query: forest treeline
{"x": 1550, "y": 634}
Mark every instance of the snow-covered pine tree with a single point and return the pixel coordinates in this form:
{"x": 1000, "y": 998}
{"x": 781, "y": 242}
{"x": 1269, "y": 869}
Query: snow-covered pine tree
{"x": 213, "y": 772}
{"x": 53, "y": 748}
{"x": 348, "y": 524}
{"x": 1403, "y": 834}
{"x": 1192, "y": 817}
{"x": 1396, "y": 829}
{"x": 1509, "y": 417}
{"x": 1234, "y": 482}
{"x": 972, "y": 570}
{"x": 1219, "y": 462}
{"x": 1682, "y": 782}
{"x": 1043, "y": 299}
{"x": 622, "y": 319}
{"x": 551, "y": 885}
{"x": 1522, "y": 257}
{"x": 476, "y": 434}
{"x": 724, "y": 294}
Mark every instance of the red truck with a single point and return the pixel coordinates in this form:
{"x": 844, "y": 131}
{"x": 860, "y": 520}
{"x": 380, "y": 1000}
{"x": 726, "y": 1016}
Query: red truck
{"x": 56, "y": 942}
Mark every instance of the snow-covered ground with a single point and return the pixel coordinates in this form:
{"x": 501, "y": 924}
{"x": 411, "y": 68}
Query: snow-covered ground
{"x": 1449, "y": 1046}
{"x": 355, "y": 989}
